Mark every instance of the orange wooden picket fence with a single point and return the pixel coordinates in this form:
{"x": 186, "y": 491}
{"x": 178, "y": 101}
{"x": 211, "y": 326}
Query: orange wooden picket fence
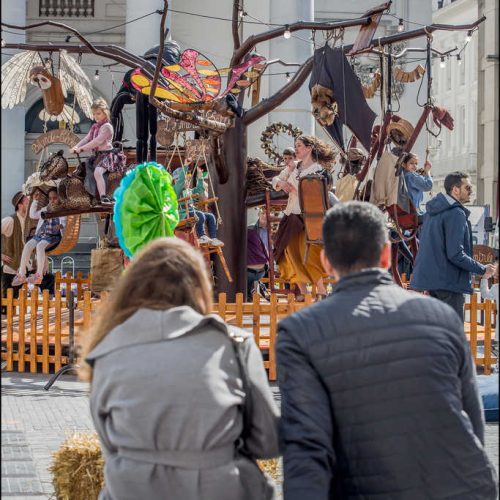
{"x": 35, "y": 328}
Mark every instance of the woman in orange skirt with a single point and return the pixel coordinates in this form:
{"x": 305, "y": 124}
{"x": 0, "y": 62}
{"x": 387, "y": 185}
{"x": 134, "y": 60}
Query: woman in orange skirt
{"x": 313, "y": 156}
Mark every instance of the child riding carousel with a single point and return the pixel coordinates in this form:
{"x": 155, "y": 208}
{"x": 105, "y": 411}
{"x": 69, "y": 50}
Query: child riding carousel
{"x": 104, "y": 158}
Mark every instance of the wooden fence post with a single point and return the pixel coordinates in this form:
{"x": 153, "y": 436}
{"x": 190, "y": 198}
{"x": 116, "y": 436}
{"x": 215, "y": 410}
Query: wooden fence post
{"x": 256, "y": 318}
{"x": 272, "y": 337}
{"x": 45, "y": 331}
{"x": 487, "y": 337}
{"x": 57, "y": 333}
{"x": 10, "y": 330}
{"x": 33, "y": 328}
{"x": 21, "y": 344}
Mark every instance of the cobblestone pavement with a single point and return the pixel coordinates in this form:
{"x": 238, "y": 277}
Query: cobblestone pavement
{"x": 35, "y": 422}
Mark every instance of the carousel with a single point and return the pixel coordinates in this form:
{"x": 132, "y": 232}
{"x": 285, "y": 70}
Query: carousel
{"x": 194, "y": 110}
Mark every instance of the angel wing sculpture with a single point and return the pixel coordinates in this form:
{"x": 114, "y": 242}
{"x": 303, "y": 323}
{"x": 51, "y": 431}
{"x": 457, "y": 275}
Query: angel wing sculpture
{"x": 17, "y": 72}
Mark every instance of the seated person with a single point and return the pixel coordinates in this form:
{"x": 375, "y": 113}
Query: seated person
{"x": 417, "y": 182}
{"x": 184, "y": 177}
{"x": 257, "y": 252}
{"x": 48, "y": 234}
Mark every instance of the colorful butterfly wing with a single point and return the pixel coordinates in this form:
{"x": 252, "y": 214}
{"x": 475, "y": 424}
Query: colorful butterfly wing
{"x": 236, "y": 83}
{"x": 143, "y": 84}
{"x": 195, "y": 76}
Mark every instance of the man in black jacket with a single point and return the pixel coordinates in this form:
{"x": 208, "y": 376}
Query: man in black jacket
{"x": 379, "y": 396}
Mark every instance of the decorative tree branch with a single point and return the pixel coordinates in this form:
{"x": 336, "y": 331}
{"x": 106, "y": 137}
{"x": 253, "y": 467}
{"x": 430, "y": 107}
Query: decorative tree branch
{"x": 253, "y": 40}
{"x": 234, "y": 25}
{"x": 159, "y": 59}
{"x": 267, "y": 105}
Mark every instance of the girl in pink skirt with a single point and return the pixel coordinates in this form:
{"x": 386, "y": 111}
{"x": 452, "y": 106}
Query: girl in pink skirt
{"x": 104, "y": 158}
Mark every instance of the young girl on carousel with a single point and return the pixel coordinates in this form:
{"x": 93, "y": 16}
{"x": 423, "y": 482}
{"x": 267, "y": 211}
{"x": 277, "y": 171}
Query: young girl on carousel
{"x": 104, "y": 158}
{"x": 48, "y": 234}
{"x": 313, "y": 156}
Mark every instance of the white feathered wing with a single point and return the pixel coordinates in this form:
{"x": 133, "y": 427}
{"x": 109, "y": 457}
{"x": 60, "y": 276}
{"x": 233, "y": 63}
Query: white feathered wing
{"x": 15, "y": 77}
{"x": 74, "y": 78}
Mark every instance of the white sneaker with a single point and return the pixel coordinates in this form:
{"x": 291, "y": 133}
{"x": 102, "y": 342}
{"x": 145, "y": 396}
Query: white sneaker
{"x": 204, "y": 240}
{"x": 215, "y": 242}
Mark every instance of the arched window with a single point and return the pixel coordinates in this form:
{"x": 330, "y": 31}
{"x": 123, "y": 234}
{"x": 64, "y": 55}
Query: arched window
{"x": 34, "y": 124}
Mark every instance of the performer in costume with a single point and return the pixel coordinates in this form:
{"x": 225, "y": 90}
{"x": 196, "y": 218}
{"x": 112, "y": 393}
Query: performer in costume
{"x": 313, "y": 156}
{"x": 104, "y": 158}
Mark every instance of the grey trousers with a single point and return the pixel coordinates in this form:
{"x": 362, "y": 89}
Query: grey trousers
{"x": 453, "y": 299}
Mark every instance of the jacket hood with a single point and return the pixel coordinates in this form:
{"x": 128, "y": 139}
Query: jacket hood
{"x": 147, "y": 326}
{"x": 441, "y": 202}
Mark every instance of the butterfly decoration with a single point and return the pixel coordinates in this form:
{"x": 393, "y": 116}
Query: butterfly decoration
{"x": 194, "y": 80}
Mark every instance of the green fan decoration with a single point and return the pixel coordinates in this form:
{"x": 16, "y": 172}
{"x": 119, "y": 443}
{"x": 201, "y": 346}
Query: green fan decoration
{"x": 145, "y": 208}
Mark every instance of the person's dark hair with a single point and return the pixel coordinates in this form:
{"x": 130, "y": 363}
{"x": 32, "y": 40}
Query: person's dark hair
{"x": 52, "y": 190}
{"x": 354, "y": 234}
{"x": 454, "y": 180}
{"x": 289, "y": 152}
{"x": 322, "y": 152}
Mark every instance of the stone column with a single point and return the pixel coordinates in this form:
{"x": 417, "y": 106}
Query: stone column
{"x": 12, "y": 119}
{"x": 143, "y": 34}
{"x": 297, "y": 108}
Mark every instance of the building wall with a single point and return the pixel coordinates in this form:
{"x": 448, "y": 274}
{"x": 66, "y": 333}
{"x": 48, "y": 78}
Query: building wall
{"x": 487, "y": 130}
{"x": 455, "y": 87}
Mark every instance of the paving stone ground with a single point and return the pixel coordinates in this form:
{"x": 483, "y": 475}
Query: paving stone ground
{"x": 35, "y": 422}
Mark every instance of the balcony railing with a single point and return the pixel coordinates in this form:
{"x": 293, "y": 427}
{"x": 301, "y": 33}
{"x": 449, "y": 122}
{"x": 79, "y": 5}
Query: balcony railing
{"x": 66, "y": 8}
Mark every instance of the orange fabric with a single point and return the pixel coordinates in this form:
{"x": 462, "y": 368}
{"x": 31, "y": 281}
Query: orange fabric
{"x": 291, "y": 265}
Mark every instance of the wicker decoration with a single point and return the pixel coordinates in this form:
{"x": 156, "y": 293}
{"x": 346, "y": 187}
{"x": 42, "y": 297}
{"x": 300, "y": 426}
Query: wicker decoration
{"x": 256, "y": 180}
{"x": 369, "y": 90}
{"x": 408, "y": 76}
{"x": 267, "y": 138}
{"x": 70, "y": 236}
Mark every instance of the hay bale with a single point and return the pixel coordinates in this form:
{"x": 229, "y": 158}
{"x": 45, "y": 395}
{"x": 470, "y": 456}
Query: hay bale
{"x": 271, "y": 467}
{"x": 78, "y": 468}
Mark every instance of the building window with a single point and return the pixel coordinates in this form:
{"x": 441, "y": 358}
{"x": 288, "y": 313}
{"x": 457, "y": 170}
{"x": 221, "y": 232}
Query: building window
{"x": 34, "y": 124}
{"x": 66, "y": 8}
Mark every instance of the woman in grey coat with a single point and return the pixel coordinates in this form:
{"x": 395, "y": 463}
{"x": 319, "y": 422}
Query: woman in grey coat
{"x": 167, "y": 391}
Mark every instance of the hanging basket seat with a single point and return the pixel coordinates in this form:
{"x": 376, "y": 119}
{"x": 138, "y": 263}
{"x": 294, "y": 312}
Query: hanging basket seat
{"x": 70, "y": 236}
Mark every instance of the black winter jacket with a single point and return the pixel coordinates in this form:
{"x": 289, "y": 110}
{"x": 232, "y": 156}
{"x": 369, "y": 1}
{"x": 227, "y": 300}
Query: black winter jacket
{"x": 379, "y": 398}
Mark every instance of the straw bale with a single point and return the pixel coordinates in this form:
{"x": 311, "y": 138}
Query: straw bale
{"x": 78, "y": 468}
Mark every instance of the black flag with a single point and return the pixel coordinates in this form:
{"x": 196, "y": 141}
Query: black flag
{"x": 332, "y": 70}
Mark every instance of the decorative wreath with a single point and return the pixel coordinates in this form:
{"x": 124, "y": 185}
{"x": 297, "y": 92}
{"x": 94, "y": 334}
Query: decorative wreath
{"x": 267, "y": 138}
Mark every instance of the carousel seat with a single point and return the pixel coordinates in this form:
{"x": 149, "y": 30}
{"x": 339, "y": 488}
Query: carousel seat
{"x": 69, "y": 238}
{"x": 255, "y": 200}
{"x": 313, "y": 198}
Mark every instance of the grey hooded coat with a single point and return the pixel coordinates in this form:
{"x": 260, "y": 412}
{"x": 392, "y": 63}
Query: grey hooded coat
{"x": 166, "y": 401}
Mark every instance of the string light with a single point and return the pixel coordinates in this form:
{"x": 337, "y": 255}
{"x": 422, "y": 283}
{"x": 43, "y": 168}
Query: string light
{"x": 459, "y": 59}
{"x": 3, "y": 42}
{"x": 288, "y": 77}
{"x": 242, "y": 14}
{"x": 372, "y": 73}
{"x": 468, "y": 38}
{"x": 401, "y": 25}
{"x": 96, "y": 76}
{"x": 442, "y": 64}
{"x": 287, "y": 33}
{"x": 68, "y": 38}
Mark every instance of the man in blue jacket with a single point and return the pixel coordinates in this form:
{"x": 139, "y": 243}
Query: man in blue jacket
{"x": 378, "y": 389}
{"x": 444, "y": 264}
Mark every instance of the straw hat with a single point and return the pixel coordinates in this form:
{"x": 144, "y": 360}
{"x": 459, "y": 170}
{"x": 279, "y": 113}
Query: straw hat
{"x": 17, "y": 198}
{"x": 400, "y": 131}
{"x": 355, "y": 154}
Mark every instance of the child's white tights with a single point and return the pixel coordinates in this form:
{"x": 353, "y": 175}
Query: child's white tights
{"x": 31, "y": 245}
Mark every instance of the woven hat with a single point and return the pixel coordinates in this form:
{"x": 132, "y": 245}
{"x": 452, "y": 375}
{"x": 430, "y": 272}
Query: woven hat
{"x": 355, "y": 154}
{"x": 400, "y": 131}
{"x": 17, "y": 198}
